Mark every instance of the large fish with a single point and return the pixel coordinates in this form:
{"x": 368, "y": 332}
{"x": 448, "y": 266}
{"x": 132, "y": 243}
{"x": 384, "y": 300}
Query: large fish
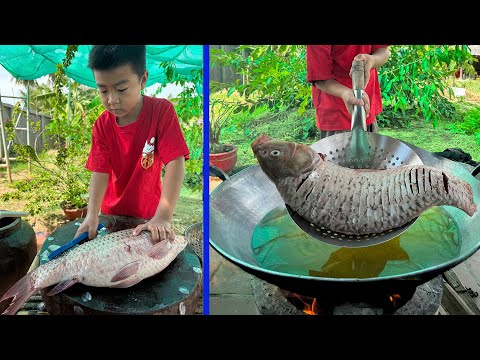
{"x": 116, "y": 260}
{"x": 355, "y": 201}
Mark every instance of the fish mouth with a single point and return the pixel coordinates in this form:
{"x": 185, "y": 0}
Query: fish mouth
{"x": 259, "y": 141}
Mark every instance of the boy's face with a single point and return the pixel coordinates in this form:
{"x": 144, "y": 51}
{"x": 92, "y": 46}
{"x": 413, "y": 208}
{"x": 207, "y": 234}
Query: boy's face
{"x": 120, "y": 91}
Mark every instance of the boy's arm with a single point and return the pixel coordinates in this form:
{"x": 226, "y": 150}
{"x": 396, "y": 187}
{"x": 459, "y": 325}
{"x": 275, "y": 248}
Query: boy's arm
{"x": 160, "y": 224}
{"x": 333, "y": 87}
{"x": 98, "y": 187}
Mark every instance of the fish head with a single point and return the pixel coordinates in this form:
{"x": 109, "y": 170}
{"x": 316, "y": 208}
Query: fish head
{"x": 280, "y": 159}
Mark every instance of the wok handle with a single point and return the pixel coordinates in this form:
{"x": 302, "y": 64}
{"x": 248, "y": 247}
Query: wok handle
{"x": 218, "y": 173}
{"x": 476, "y": 170}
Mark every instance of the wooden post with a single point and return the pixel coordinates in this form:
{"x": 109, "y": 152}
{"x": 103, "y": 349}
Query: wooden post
{"x": 28, "y": 124}
{"x": 4, "y": 142}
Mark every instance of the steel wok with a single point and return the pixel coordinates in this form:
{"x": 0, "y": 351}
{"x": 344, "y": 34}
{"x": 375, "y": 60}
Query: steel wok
{"x": 239, "y": 203}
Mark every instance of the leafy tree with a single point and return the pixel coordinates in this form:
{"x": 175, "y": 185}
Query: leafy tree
{"x": 188, "y": 106}
{"x": 414, "y": 81}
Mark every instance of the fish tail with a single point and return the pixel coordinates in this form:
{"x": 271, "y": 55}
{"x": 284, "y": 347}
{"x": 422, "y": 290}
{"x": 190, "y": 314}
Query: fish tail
{"x": 21, "y": 291}
{"x": 466, "y": 202}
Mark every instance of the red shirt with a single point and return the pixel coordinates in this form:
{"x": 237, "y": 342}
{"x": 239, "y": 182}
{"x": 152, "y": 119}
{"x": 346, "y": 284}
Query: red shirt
{"x": 326, "y": 62}
{"x": 134, "y": 189}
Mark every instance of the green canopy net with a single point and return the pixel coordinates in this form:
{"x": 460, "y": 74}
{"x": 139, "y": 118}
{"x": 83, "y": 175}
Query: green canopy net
{"x": 30, "y": 62}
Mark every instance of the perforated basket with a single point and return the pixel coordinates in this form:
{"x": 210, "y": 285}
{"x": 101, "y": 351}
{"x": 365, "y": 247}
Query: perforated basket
{"x": 194, "y": 236}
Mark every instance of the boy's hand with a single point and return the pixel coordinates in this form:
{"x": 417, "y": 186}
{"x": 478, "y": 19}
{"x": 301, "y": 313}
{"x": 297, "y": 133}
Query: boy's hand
{"x": 90, "y": 224}
{"x": 350, "y": 100}
{"x": 159, "y": 228}
{"x": 368, "y": 60}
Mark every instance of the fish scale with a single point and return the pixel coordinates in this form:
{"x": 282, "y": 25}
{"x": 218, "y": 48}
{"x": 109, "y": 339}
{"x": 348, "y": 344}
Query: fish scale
{"x": 398, "y": 205}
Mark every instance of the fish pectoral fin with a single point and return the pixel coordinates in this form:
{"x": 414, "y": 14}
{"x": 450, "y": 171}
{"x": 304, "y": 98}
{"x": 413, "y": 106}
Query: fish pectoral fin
{"x": 160, "y": 250}
{"x": 61, "y": 286}
{"x": 127, "y": 283}
{"x": 126, "y": 271}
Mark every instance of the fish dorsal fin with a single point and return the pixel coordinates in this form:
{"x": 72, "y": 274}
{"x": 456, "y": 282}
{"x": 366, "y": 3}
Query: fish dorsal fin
{"x": 126, "y": 271}
{"x": 63, "y": 286}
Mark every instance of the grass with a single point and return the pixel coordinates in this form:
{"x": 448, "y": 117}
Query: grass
{"x": 15, "y": 167}
{"x": 189, "y": 209}
{"x": 425, "y": 136}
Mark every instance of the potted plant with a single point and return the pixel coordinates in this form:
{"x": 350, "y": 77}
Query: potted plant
{"x": 75, "y": 197}
{"x": 223, "y": 108}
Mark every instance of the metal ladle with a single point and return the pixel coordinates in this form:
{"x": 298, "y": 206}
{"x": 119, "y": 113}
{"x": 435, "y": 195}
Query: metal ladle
{"x": 359, "y": 149}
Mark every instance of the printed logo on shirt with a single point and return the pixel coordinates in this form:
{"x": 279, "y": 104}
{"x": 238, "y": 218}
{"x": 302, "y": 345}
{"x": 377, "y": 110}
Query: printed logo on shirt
{"x": 147, "y": 154}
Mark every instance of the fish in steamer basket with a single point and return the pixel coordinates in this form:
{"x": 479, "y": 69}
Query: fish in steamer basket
{"x": 116, "y": 260}
{"x": 356, "y": 201}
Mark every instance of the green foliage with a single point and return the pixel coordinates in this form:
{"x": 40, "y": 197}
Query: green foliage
{"x": 188, "y": 106}
{"x": 470, "y": 125}
{"x": 59, "y": 177}
{"x": 273, "y": 74}
{"x": 415, "y": 79}
{"x": 393, "y": 118}
{"x": 227, "y": 114}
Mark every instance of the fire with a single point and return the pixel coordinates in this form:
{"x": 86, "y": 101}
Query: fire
{"x": 309, "y": 304}
{"x": 311, "y": 309}
{"x": 394, "y": 298}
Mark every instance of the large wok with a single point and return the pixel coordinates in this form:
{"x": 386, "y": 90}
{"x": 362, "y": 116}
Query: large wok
{"x": 240, "y": 202}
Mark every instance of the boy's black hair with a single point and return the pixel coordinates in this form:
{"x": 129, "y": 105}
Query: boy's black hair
{"x": 106, "y": 57}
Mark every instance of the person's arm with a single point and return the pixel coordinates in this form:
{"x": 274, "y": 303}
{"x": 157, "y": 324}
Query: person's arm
{"x": 160, "y": 224}
{"x": 98, "y": 187}
{"x": 334, "y": 88}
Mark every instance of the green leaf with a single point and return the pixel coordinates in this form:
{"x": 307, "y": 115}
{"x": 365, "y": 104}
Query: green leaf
{"x": 231, "y": 91}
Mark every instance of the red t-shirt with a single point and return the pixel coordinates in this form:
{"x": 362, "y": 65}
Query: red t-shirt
{"x": 326, "y": 62}
{"x": 133, "y": 155}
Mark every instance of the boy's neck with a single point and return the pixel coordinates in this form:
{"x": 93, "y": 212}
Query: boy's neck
{"x": 131, "y": 118}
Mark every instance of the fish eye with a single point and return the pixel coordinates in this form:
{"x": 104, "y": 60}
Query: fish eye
{"x": 275, "y": 153}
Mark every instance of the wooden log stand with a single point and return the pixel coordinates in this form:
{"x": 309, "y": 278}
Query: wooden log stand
{"x": 175, "y": 290}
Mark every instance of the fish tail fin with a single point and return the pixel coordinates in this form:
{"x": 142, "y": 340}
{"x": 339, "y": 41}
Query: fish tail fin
{"x": 21, "y": 291}
{"x": 470, "y": 207}
{"x": 459, "y": 194}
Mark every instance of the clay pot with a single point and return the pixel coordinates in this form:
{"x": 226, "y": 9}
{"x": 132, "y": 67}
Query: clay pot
{"x": 73, "y": 214}
{"x": 18, "y": 247}
{"x": 225, "y": 160}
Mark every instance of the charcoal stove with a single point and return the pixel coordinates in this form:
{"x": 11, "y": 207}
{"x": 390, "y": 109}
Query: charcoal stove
{"x": 424, "y": 299}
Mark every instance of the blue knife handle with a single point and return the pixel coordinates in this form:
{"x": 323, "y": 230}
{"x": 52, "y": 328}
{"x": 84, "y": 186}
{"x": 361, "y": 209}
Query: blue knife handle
{"x": 71, "y": 243}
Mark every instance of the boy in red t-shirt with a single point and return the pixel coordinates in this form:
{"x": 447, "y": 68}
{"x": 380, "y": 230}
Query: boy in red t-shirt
{"x": 131, "y": 140}
{"x": 328, "y": 69}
